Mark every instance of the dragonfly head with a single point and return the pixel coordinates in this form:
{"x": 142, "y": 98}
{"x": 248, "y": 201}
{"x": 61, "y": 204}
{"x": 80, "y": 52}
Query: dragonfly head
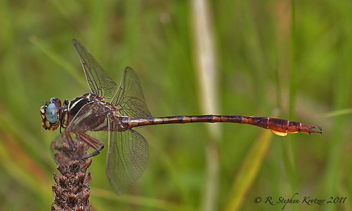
{"x": 50, "y": 114}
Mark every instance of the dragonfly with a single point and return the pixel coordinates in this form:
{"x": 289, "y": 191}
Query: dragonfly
{"x": 114, "y": 112}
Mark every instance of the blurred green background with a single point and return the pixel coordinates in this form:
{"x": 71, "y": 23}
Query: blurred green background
{"x": 273, "y": 58}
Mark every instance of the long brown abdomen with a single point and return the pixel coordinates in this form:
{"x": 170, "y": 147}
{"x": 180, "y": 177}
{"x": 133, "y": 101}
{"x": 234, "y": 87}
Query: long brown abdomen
{"x": 278, "y": 126}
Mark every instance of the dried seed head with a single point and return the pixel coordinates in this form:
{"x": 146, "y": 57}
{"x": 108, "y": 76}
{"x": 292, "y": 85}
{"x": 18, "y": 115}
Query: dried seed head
{"x": 72, "y": 189}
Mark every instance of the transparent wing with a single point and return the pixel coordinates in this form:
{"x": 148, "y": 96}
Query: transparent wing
{"x": 128, "y": 151}
{"x": 98, "y": 80}
{"x": 126, "y": 159}
{"x": 129, "y": 97}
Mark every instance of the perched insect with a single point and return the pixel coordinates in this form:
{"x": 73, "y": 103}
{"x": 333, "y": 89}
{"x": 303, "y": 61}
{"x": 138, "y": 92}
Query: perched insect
{"x": 128, "y": 151}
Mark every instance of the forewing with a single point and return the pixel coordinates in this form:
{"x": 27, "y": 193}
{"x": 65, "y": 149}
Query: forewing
{"x": 126, "y": 159}
{"x": 98, "y": 80}
{"x": 129, "y": 97}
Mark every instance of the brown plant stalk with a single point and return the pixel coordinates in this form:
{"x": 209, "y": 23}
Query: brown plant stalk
{"x": 72, "y": 189}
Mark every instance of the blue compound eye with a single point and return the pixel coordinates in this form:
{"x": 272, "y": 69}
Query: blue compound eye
{"x": 51, "y": 113}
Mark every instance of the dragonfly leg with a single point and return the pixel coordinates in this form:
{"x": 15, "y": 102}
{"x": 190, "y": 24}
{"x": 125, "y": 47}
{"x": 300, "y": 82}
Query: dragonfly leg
{"x": 68, "y": 145}
{"x": 92, "y": 142}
